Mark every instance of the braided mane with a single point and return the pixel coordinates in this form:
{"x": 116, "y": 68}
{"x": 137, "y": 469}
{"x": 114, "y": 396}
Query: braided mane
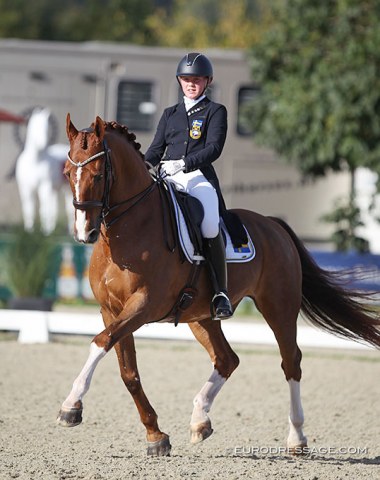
{"x": 123, "y": 130}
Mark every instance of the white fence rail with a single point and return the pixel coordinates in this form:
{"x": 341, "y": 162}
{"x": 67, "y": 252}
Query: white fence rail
{"x": 36, "y": 327}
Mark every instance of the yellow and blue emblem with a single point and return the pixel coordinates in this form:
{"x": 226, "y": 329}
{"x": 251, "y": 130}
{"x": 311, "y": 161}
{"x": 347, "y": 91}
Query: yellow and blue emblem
{"x": 243, "y": 249}
{"x": 195, "y": 130}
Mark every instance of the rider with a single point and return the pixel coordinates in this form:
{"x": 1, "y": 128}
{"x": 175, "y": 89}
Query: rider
{"x": 190, "y": 136}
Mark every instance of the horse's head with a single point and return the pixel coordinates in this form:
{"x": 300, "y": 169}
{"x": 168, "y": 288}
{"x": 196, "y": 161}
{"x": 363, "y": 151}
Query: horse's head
{"x": 37, "y": 133}
{"x": 93, "y": 169}
{"x": 88, "y": 171}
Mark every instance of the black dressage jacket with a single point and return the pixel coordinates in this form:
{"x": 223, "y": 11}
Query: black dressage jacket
{"x": 196, "y": 136}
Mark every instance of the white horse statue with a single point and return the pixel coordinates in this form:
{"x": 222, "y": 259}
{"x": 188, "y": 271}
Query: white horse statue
{"x": 39, "y": 175}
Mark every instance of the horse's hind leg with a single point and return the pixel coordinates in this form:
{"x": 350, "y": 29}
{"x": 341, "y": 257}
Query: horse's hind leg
{"x": 158, "y": 442}
{"x": 210, "y": 335}
{"x": 282, "y": 319}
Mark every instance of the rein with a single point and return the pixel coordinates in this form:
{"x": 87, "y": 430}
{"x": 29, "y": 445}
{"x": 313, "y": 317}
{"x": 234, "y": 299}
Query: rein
{"x": 105, "y": 202}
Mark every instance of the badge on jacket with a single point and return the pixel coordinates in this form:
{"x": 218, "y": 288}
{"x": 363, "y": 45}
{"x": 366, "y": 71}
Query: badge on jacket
{"x": 195, "y": 130}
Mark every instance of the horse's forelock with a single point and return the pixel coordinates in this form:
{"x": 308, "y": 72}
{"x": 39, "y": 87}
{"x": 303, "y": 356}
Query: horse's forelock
{"x": 110, "y": 126}
{"x": 84, "y": 134}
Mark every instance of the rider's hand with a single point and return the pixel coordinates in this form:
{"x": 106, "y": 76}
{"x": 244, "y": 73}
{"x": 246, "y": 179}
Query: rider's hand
{"x": 171, "y": 167}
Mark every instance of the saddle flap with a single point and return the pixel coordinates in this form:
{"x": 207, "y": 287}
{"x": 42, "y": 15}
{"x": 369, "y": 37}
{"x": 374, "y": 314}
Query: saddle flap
{"x": 192, "y": 211}
{"x": 192, "y": 207}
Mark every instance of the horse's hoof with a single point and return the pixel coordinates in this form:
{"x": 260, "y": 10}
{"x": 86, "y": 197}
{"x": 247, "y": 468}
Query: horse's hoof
{"x": 161, "y": 448}
{"x": 70, "y": 417}
{"x": 299, "y": 450}
{"x": 200, "y": 432}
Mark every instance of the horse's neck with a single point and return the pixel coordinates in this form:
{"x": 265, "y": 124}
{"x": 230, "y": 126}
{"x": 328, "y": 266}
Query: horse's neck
{"x": 132, "y": 177}
{"x": 36, "y": 136}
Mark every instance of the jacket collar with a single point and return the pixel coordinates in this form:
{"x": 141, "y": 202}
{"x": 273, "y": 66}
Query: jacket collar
{"x": 198, "y": 107}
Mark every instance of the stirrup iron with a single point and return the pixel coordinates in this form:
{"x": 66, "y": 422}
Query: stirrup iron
{"x": 221, "y": 307}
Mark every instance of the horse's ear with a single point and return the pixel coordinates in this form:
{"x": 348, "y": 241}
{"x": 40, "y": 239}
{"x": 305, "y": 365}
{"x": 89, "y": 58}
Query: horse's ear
{"x": 71, "y": 131}
{"x": 99, "y": 128}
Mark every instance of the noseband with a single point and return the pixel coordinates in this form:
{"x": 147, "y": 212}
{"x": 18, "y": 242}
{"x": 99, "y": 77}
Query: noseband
{"x": 104, "y": 204}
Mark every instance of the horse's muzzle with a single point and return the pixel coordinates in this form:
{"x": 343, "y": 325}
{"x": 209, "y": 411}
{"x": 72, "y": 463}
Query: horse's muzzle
{"x": 93, "y": 235}
{"x": 90, "y": 237}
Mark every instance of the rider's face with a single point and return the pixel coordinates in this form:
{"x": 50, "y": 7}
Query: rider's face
{"x": 193, "y": 87}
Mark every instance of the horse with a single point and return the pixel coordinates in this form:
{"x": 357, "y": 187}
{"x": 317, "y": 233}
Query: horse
{"x": 39, "y": 175}
{"x": 137, "y": 278}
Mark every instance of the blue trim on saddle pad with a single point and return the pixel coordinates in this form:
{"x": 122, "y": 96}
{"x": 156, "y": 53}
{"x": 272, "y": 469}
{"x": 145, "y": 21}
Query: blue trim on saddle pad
{"x": 243, "y": 254}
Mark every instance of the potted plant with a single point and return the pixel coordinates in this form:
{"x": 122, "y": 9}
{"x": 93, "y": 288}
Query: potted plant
{"x": 30, "y": 266}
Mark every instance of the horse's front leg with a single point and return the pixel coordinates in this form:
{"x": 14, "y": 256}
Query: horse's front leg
{"x": 210, "y": 335}
{"x": 28, "y": 205}
{"x": 158, "y": 442}
{"x": 70, "y": 414}
{"x": 48, "y": 206}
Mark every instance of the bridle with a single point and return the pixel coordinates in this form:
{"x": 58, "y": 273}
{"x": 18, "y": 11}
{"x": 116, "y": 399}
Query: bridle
{"x": 104, "y": 204}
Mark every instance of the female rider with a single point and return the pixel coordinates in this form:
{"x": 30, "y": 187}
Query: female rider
{"x": 189, "y": 137}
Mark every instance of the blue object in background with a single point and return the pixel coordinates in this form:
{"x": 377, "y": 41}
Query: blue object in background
{"x": 363, "y": 268}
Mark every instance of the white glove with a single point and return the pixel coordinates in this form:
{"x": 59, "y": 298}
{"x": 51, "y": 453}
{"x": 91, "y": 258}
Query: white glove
{"x": 171, "y": 167}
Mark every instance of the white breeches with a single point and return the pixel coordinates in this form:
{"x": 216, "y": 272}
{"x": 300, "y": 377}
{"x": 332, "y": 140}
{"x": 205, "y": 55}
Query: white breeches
{"x": 196, "y": 184}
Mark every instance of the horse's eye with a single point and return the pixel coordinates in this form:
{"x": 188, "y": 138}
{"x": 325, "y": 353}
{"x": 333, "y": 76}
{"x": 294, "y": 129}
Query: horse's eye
{"x": 98, "y": 177}
{"x": 66, "y": 173}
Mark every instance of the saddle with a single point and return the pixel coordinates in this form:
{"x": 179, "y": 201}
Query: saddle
{"x": 193, "y": 213}
{"x": 188, "y": 214}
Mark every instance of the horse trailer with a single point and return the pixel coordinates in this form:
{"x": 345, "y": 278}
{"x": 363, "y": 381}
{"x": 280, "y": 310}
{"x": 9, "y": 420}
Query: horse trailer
{"x": 132, "y": 85}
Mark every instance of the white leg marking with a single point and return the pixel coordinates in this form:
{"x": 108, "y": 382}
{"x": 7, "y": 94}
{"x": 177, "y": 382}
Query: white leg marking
{"x": 82, "y": 382}
{"x": 203, "y": 400}
{"x": 296, "y": 437}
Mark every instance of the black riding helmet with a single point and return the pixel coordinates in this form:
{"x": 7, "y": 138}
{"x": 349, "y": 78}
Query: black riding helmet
{"x": 195, "y": 64}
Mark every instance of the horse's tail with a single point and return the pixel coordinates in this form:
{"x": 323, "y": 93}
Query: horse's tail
{"x": 330, "y": 306}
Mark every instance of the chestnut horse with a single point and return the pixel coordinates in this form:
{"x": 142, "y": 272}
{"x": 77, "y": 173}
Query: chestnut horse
{"x": 136, "y": 279}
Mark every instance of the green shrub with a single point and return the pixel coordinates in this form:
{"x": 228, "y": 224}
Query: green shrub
{"x": 29, "y": 263}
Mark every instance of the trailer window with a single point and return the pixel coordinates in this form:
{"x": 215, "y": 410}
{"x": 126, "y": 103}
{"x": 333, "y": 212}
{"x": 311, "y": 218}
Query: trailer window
{"x": 246, "y": 96}
{"x": 135, "y": 106}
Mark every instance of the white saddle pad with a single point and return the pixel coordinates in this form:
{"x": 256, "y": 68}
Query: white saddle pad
{"x": 245, "y": 253}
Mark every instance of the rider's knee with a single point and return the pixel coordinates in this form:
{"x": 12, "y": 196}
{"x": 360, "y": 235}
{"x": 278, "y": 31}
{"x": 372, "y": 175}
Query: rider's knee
{"x": 210, "y": 229}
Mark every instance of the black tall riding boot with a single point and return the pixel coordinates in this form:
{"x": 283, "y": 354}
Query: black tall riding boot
{"x": 215, "y": 255}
